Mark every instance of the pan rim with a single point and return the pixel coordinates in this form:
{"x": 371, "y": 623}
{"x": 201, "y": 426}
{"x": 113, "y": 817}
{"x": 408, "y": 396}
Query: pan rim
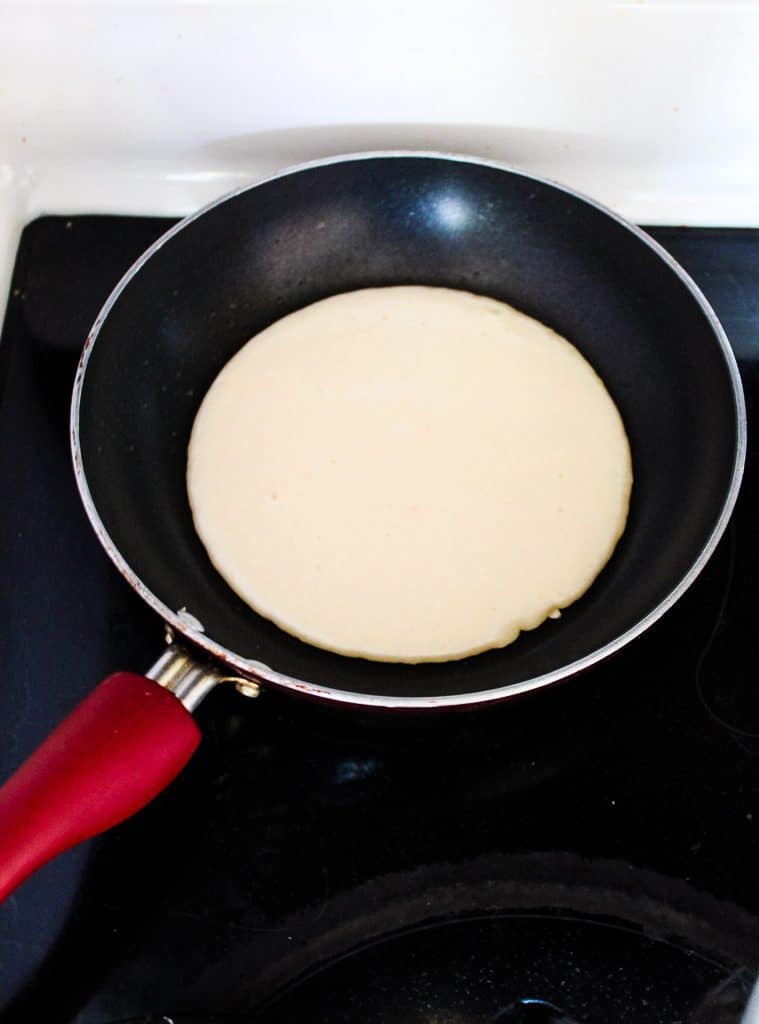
{"x": 183, "y": 624}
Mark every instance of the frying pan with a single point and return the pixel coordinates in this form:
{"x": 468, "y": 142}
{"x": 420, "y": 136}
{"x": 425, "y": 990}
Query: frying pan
{"x": 220, "y": 276}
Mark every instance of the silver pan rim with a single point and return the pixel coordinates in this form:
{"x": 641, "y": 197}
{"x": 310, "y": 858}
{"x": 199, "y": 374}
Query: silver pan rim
{"x": 262, "y": 673}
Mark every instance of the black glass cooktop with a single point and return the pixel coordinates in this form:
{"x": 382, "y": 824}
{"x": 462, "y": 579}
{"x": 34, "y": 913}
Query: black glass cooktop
{"x": 588, "y": 853}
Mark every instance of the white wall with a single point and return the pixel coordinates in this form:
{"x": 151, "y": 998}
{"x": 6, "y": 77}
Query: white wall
{"x": 651, "y": 106}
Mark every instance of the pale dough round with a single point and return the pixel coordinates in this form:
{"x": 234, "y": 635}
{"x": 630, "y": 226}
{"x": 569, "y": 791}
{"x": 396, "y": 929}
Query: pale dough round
{"x": 408, "y": 473}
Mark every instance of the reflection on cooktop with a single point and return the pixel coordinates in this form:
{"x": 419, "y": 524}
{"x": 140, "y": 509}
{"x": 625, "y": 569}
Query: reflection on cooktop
{"x": 509, "y": 969}
{"x": 575, "y": 941}
{"x": 604, "y": 834}
{"x": 470, "y": 941}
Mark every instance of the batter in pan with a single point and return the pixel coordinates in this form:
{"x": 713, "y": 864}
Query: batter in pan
{"x": 408, "y": 473}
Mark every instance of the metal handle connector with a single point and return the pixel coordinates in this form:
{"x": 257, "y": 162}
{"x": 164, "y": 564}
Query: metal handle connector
{"x": 189, "y": 680}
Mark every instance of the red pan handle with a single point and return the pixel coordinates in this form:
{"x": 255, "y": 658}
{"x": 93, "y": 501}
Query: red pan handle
{"x": 110, "y": 757}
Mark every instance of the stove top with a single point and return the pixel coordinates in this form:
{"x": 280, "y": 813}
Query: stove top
{"x": 590, "y": 852}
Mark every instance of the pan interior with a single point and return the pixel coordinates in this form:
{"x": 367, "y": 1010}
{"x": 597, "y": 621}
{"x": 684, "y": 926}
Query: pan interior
{"x": 276, "y": 247}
